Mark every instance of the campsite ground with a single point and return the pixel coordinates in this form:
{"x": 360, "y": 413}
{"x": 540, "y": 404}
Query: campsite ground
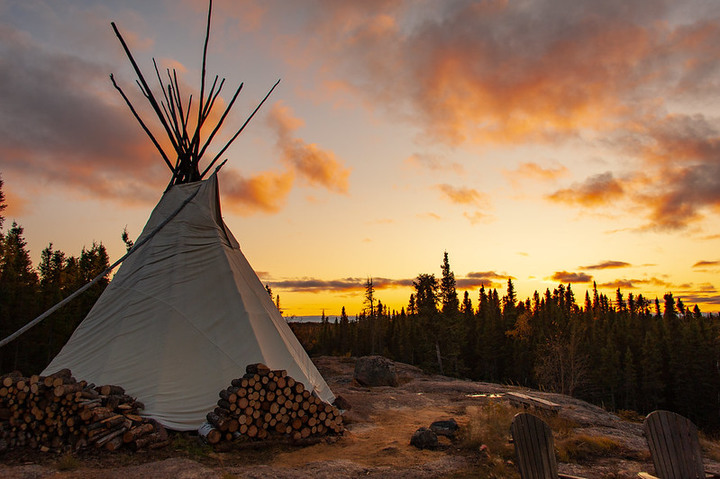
{"x": 592, "y": 442}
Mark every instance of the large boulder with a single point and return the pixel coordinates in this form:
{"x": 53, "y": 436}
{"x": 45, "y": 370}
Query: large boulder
{"x": 445, "y": 427}
{"x": 375, "y": 371}
{"x": 424, "y": 438}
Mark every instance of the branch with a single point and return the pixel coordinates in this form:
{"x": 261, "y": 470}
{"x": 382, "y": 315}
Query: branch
{"x": 202, "y": 82}
{"x": 137, "y": 117}
{"x": 146, "y": 89}
{"x": 220, "y": 122}
{"x": 239, "y": 131}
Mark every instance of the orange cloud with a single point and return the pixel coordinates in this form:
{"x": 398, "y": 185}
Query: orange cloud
{"x": 502, "y": 75}
{"x": 343, "y": 285}
{"x": 534, "y": 171}
{"x": 597, "y": 190}
{"x": 706, "y": 263}
{"x": 265, "y": 192}
{"x": 567, "y": 277}
{"x": 508, "y": 73}
{"x": 607, "y": 265}
{"x": 618, "y": 283}
{"x": 313, "y": 164}
{"x": 483, "y": 278}
{"x": 461, "y": 195}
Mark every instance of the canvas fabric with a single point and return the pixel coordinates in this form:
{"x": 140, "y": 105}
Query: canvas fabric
{"x": 183, "y": 316}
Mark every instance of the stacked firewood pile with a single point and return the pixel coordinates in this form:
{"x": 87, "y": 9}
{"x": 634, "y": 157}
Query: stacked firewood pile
{"x": 58, "y": 411}
{"x": 266, "y": 404}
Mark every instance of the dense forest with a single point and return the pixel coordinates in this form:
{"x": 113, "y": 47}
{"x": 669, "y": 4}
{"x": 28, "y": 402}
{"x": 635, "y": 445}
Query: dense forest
{"x": 26, "y": 292}
{"x": 622, "y": 353}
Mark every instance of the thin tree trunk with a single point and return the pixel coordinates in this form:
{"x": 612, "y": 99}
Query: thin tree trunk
{"x": 439, "y": 358}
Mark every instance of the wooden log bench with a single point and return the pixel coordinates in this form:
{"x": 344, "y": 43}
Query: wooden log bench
{"x": 520, "y": 399}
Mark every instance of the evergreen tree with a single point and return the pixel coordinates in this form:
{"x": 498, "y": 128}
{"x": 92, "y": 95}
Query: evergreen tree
{"x": 126, "y": 239}
{"x": 18, "y": 305}
{"x": 344, "y": 333}
{"x": 630, "y": 381}
{"x": 426, "y": 301}
{"x": 2, "y": 204}
{"x": 448, "y": 293}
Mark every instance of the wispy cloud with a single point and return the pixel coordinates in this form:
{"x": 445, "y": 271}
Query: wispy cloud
{"x": 635, "y": 283}
{"x": 461, "y": 195}
{"x": 343, "y": 285}
{"x": 595, "y": 191}
{"x": 623, "y": 284}
{"x": 607, "y": 265}
{"x": 704, "y": 263}
{"x": 534, "y": 171}
{"x": 315, "y": 165}
{"x": 264, "y": 192}
{"x": 568, "y": 277}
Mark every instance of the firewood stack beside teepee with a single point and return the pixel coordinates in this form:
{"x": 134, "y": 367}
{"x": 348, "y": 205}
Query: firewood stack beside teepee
{"x": 267, "y": 404}
{"x": 58, "y": 411}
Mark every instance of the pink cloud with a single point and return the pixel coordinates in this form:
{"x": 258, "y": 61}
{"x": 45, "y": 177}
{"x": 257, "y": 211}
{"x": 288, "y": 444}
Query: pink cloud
{"x": 318, "y": 167}
{"x": 265, "y": 192}
{"x": 597, "y": 190}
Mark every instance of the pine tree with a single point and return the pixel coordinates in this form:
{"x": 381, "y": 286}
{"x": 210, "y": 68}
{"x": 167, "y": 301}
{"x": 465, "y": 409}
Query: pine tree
{"x": 426, "y": 301}
{"x": 630, "y": 381}
{"x": 448, "y": 293}
{"x": 18, "y": 290}
{"x": 2, "y": 204}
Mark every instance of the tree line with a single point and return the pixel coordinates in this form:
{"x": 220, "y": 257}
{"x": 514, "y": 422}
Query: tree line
{"x": 625, "y": 353}
{"x": 27, "y": 291}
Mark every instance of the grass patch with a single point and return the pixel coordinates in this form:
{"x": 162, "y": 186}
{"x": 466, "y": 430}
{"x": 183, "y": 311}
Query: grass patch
{"x": 67, "y": 462}
{"x": 191, "y": 446}
{"x": 630, "y": 415}
{"x": 582, "y": 447}
{"x": 710, "y": 447}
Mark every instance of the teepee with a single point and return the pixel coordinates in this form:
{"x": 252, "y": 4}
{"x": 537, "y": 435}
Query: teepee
{"x": 185, "y": 313}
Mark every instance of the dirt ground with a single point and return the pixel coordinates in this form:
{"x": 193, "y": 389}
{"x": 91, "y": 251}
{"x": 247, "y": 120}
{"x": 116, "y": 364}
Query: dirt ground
{"x": 376, "y": 443}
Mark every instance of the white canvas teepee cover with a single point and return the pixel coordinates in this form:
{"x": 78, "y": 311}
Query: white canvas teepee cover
{"x": 183, "y": 316}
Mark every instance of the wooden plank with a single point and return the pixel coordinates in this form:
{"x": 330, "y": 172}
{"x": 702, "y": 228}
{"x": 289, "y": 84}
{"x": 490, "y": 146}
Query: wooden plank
{"x": 533, "y": 401}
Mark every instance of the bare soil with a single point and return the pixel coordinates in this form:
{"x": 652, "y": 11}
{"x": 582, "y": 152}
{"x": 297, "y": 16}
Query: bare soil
{"x": 376, "y": 443}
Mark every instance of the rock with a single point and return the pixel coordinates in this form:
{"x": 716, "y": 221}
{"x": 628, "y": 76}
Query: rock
{"x": 447, "y": 428}
{"x": 375, "y": 371}
{"x": 342, "y": 403}
{"x": 424, "y": 438}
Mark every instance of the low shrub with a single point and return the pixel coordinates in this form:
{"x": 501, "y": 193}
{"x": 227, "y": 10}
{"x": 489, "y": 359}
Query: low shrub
{"x": 489, "y": 426}
{"x": 67, "y": 462}
{"x": 581, "y": 447}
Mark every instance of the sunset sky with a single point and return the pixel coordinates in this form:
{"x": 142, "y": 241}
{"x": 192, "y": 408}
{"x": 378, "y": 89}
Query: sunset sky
{"x": 544, "y": 141}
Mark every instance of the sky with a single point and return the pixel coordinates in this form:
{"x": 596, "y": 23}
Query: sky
{"x": 547, "y": 142}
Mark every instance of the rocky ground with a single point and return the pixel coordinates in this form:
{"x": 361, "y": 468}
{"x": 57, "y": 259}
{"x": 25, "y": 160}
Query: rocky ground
{"x": 376, "y": 443}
